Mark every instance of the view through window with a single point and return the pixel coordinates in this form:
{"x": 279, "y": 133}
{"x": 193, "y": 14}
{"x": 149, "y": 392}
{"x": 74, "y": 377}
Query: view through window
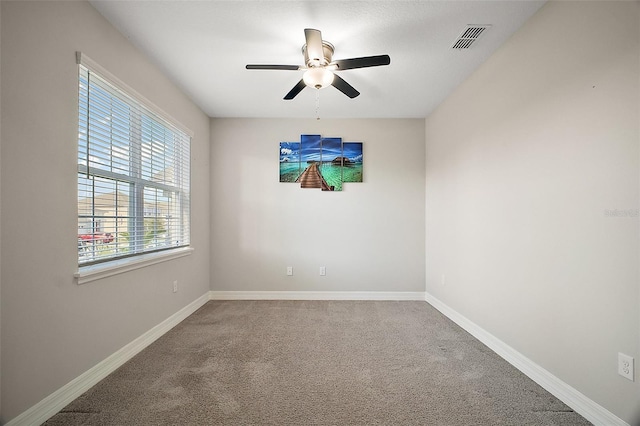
{"x": 133, "y": 175}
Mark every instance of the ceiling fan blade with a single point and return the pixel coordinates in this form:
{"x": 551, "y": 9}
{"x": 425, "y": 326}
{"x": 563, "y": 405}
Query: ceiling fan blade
{"x": 274, "y": 67}
{"x": 364, "y": 62}
{"x": 314, "y": 44}
{"x": 296, "y": 89}
{"x": 344, "y": 87}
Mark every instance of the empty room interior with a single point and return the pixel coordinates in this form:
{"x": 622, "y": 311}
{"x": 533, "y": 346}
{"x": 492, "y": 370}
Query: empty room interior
{"x": 496, "y": 198}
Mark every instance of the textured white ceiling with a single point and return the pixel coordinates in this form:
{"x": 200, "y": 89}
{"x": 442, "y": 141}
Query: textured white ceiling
{"x": 203, "y": 46}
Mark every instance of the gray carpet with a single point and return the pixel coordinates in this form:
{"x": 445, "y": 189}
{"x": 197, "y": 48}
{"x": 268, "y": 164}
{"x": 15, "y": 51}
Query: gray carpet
{"x": 317, "y": 363}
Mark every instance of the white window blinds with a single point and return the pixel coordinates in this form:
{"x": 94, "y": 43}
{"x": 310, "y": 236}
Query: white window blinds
{"x": 133, "y": 175}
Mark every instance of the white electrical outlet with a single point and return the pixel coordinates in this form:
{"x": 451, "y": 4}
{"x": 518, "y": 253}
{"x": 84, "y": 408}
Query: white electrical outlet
{"x": 175, "y": 286}
{"x": 323, "y": 271}
{"x": 625, "y": 366}
{"x": 289, "y": 270}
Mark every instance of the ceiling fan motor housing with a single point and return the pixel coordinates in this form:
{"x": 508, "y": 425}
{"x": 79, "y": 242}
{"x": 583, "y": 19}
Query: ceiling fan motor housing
{"x": 327, "y": 52}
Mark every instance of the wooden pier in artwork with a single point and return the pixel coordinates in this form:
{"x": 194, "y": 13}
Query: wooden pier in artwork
{"x": 312, "y": 178}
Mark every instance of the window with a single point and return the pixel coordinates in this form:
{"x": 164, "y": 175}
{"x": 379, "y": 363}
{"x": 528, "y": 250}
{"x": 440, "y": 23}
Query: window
{"x": 133, "y": 173}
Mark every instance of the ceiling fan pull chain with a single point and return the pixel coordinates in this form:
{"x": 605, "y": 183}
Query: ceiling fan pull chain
{"x": 317, "y": 104}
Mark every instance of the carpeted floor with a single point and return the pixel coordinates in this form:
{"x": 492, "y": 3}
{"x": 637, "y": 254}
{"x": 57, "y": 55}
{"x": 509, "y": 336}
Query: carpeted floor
{"x": 317, "y": 363}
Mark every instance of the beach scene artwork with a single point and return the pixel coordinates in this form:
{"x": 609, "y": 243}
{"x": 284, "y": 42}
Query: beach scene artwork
{"x": 352, "y": 170}
{"x": 322, "y": 163}
{"x": 289, "y": 161}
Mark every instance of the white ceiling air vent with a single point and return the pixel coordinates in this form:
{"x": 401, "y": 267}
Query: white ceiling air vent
{"x": 469, "y": 36}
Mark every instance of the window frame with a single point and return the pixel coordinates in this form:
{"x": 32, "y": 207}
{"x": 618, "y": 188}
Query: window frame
{"x": 100, "y": 268}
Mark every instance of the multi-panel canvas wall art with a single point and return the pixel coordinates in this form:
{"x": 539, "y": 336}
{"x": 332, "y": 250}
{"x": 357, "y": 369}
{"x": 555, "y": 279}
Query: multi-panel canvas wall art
{"x": 317, "y": 162}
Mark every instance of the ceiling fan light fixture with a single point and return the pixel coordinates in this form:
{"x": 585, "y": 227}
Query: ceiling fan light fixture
{"x": 318, "y": 78}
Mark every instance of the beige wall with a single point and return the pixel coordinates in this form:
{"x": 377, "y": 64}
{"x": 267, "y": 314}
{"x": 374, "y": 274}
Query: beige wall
{"x": 370, "y": 237}
{"x": 53, "y": 329}
{"x": 524, "y": 164}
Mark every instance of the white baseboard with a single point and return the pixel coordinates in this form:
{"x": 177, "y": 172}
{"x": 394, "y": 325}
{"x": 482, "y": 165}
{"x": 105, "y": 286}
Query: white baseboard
{"x": 55, "y": 402}
{"x": 316, "y": 295}
{"x": 581, "y": 404}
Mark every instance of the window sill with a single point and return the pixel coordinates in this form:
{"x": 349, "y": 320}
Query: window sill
{"x": 87, "y": 274}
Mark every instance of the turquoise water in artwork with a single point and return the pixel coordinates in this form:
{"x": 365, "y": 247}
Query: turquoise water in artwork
{"x": 335, "y": 175}
{"x": 332, "y": 175}
{"x": 352, "y": 173}
{"x": 289, "y": 172}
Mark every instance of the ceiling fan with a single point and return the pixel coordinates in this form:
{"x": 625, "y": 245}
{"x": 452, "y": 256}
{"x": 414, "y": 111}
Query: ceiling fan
{"x": 320, "y": 68}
